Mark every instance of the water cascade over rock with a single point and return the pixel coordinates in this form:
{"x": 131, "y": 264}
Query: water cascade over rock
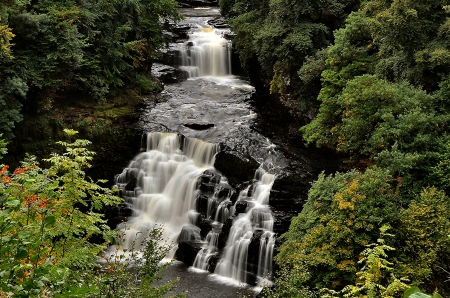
{"x": 165, "y": 187}
{"x": 214, "y": 227}
{"x": 206, "y": 53}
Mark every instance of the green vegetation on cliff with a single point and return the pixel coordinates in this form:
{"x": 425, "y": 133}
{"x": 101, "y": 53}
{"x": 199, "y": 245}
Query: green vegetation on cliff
{"x": 88, "y": 47}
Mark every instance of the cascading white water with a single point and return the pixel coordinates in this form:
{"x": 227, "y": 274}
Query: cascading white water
{"x": 166, "y": 185}
{"x": 234, "y": 263}
{"x": 207, "y": 53}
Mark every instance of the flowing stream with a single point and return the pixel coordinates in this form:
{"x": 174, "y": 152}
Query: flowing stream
{"x": 173, "y": 180}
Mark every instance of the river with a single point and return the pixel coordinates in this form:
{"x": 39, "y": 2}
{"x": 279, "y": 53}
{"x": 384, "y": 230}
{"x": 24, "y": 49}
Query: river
{"x": 224, "y": 230}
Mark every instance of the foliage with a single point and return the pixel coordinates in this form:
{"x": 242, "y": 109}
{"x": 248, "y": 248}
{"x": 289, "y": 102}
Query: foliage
{"x": 283, "y": 33}
{"x": 424, "y": 229}
{"x": 90, "y": 46}
{"x": 371, "y": 279}
{"x": 342, "y": 215}
{"x": 48, "y": 218}
{"x": 394, "y": 124}
{"x": 290, "y": 283}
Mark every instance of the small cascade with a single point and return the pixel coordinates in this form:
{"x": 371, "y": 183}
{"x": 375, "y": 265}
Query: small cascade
{"x": 202, "y": 260}
{"x": 161, "y": 186}
{"x": 206, "y": 53}
{"x": 252, "y": 228}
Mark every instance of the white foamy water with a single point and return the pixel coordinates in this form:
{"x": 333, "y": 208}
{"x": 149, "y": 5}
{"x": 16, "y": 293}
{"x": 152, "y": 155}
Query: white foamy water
{"x": 206, "y": 53}
{"x": 166, "y": 184}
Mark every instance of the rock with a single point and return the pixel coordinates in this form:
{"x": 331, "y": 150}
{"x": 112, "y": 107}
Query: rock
{"x": 166, "y": 74}
{"x": 198, "y": 126}
{"x": 213, "y": 263}
{"x": 198, "y": 3}
{"x": 240, "y": 207}
{"x": 253, "y": 251}
{"x": 187, "y": 251}
{"x": 218, "y": 23}
{"x": 201, "y": 204}
{"x": 223, "y": 236}
{"x": 223, "y": 192}
{"x": 117, "y": 214}
{"x": 235, "y": 168}
{"x": 205, "y": 227}
{"x": 131, "y": 185}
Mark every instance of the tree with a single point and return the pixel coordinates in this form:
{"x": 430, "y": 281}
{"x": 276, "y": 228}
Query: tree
{"x": 59, "y": 47}
{"x": 342, "y": 215}
{"x": 394, "y": 124}
{"x": 372, "y": 280}
{"x": 283, "y": 33}
{"x": 424, "y": 252}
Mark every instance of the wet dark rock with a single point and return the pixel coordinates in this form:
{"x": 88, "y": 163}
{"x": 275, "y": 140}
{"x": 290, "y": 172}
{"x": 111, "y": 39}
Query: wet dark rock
{"x": 206, "y": 226}
{"x": 218, "y": 23}
{"x": 206, "y": 187}
{"x": 166, "y": 74}
{"x": 235, "y": 168}
{"x": 182, "y": 30}
{"x": 132, "y": 184}
{"x": 290, "y": 193}
{"x": 187, "y": 251}
{"x": 251, "y": 278}
{"x": 240, "y": 207}
{"x": 253, "y": 251}
{"x": 210, "y": 177}
{"x": 223, "y": 236}
{"x": 201, "y": 204}
{"x": 223, "y": 192}
{"x": 213, "y": 263}
{"x": 198, "y": 126}
{"x": 198, "y": 3}
{"x": 117, "y": 214}
{"x": 282, "y": 221}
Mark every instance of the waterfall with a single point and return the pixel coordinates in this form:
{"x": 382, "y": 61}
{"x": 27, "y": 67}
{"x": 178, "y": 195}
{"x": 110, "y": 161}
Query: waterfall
{"x": 174, "y": 183}
{"x": 255, "y": 222}
{"x": 206, "y": 53}
{"x": 215, "y": 227}
{"x": 161, "y": 183}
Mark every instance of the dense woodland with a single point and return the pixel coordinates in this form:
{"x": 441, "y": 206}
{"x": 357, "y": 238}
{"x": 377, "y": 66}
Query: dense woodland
{"x": 372, "y": 78}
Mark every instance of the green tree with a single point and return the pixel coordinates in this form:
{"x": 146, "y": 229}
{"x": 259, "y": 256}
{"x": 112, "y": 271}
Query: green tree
{"x": 424, "y": 252}
{"x": 372, "y": 280}
{"x": 394, "y": 124}
{"x": 63, "y": 46}
{"x": 281, "y": 34}
{"x": 342, "y": 215}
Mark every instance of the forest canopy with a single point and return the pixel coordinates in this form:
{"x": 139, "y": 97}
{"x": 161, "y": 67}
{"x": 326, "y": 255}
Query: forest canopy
{"x": 91, "y": 47}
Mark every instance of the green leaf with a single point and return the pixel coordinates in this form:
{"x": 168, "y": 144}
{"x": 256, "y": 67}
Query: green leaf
{"x": 50, "y": 221}
{"x": 21, "y": 254}
{"x": 436, "y": 295}
{"x": 13, "y": 203}
{"x": 411, "y": 291}
{"x": 419, "y": 295}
